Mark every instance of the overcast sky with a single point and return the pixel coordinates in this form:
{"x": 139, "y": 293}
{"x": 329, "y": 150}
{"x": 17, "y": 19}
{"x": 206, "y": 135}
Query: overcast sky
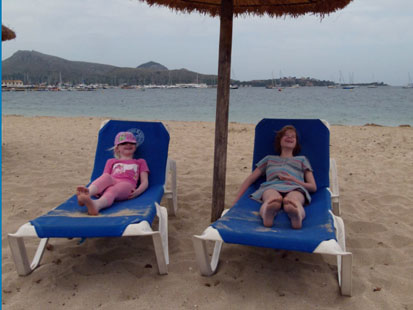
{"x": 369, "y": 40}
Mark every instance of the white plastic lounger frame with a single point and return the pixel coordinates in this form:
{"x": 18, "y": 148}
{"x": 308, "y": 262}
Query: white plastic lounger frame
{"x": 160, "y": 237}
{"x": 209, "y": 266}
{"x": 171, "y": 193}
{"x": 334, "y": 189}
{"x": 160, "y": 242}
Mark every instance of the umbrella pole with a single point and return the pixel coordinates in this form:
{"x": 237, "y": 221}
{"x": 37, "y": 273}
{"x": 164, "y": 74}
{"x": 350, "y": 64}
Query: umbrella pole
{"x": 222, "y": 109}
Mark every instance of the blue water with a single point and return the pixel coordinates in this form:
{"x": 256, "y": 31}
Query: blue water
{"x": 389, "y": 106}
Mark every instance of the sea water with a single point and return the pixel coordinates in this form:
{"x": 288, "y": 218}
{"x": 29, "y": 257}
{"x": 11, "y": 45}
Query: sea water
{"x": 388, "y": 106}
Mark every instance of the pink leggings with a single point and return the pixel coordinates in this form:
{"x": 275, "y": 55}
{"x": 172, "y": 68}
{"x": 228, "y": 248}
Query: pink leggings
{"x": 113, "y": 189}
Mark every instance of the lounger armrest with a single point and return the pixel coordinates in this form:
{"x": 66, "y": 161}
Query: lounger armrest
{"x": 171, "y": 187}
{"x": 334, "y": 188}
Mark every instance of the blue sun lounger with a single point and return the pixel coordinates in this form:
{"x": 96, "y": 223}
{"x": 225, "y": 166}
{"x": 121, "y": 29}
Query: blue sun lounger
{"x": 126, "y": 218}
{"x": 322, "y": 231}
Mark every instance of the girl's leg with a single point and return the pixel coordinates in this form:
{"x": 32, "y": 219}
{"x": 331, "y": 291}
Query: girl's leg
{"x": 97, "y": 187}
{"x": 119, "y": 191}
{"x": 100, "y": 184}
{"x": 81, "y": 190}
{"x": 294, "y": 206}
{"x": 93, "y": 206}
{"x": 271, "y": 205}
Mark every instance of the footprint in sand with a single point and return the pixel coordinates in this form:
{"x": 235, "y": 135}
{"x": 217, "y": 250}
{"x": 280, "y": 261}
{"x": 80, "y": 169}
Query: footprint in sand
{"x": 365, "y": 227}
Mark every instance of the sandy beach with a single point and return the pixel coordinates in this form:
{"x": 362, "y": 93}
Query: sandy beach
{"x": 45, "y": 158}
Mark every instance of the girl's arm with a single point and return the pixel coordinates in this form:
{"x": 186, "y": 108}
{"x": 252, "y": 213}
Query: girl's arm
{"x": 247, "y": 183}
{"x": 309, "y": 183}
{"x": 108, "y": 166}
{"x": 144, "y": 183}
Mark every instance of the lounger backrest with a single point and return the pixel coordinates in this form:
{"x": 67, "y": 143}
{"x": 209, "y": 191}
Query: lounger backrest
{"x": 154, "y": 140}
{"x": 314, "y": 139}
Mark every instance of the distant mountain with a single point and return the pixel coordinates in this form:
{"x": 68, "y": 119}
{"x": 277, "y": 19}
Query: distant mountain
{"x": 37, "y": 67}
{"x": 152, "y": 66}
{"x": 34, "y": 68}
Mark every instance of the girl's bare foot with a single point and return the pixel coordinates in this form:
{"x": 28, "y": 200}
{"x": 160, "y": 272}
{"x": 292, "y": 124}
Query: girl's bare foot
{"x": 81, "y": 190}
{"x": 90, "y": 204}
{"x": 295, "y": 212}
{"x": 269, "y": 210}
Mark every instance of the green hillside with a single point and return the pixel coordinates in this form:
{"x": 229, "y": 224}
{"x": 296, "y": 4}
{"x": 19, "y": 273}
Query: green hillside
{"x": 34, "y": 68}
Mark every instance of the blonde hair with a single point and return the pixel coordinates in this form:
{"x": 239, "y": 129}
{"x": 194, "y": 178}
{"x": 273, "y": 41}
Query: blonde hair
{"x": 115, "y": 151}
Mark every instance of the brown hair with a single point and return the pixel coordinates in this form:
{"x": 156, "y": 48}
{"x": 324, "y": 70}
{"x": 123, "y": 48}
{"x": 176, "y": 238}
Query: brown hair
{"x": 280, "y": 134}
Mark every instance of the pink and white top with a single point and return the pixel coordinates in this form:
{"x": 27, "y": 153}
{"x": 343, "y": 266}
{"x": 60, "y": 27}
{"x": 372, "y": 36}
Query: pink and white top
{"x": 126, "y": 169}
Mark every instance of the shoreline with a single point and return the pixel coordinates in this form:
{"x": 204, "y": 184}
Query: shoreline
{"x": 195, "y": 121}
{"x": 44, "y": 159}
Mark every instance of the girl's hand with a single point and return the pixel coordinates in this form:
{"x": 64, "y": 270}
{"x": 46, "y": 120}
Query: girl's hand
{"x": 142, "y": 187}
{"x": 285, "y": 176}
{"x": 133, "y": 194}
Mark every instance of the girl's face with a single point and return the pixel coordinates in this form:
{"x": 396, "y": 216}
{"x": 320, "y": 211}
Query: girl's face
{"x": 126, "y": 150}
{"x": 289, "y": 140}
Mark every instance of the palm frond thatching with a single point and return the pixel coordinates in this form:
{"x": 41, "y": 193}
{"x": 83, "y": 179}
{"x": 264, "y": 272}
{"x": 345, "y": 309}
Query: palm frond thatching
{"x": 273, "y": 8}
{"x": 7, "y": 34}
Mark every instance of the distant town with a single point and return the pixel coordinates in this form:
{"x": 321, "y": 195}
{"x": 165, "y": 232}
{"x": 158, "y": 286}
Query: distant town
{"x": 18, "y": 85}
{"x": 34, "y": 71}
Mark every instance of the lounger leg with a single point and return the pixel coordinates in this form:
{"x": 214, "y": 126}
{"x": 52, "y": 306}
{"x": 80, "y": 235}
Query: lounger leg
{"x": 335, "y": 194}
{"x": 19, "y": 253}
{"x": 206, "y": 267}
{"x": 341, "y": 234}
{"x": 171, "y": 193}
{"x": 160, "y": 254}
{"x": 344, "y": 264}
{"x": 160, "y": 240}
{"x": 335, "y": 205}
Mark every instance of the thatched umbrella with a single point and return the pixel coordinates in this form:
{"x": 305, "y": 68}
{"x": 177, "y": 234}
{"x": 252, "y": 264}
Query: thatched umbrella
{"x": 226, "y": 9}
{"x": 7, "y": 34}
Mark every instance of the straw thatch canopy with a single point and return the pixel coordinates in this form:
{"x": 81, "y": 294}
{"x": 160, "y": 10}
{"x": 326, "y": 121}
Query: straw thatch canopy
{"x": 7, "y": 34}
{"x": 256, "y": 7}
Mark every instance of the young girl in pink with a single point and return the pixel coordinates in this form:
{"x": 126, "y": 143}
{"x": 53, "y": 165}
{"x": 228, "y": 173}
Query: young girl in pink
{"x": 119, "y": 178}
